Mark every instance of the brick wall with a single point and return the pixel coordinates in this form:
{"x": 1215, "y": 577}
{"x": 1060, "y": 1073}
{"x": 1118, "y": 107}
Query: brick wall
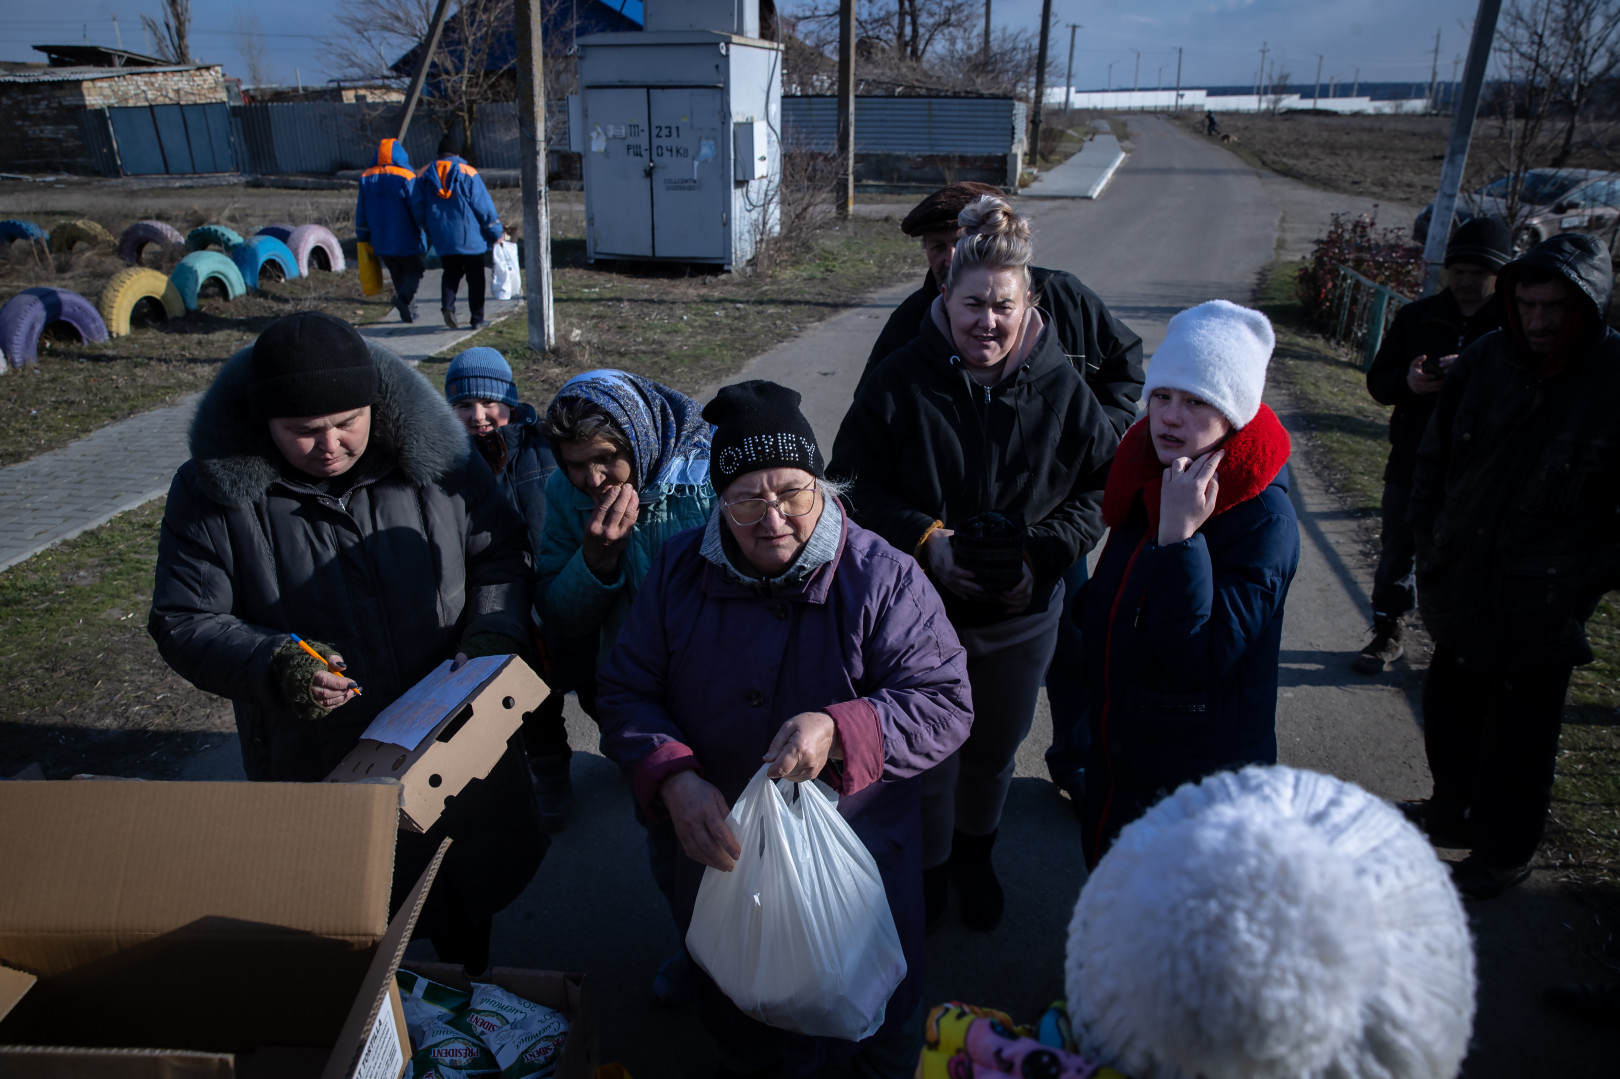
{"x": 39, "y": 121}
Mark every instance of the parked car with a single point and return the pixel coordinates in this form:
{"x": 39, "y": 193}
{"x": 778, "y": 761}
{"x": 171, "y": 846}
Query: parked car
{"x": 1543, "y": 188}
{"x": 1593, "y": 206}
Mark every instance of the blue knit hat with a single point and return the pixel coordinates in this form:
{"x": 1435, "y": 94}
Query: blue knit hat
{"x": 483, "y": 373}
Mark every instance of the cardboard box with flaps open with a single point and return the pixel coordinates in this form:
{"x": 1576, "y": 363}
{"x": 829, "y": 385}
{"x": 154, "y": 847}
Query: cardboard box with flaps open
{"x": 201, "y": 929}
{"x": 448, "y": 730}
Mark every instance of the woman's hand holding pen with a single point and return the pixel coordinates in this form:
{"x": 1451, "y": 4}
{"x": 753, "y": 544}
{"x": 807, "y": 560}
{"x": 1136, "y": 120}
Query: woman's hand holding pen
{"x": 329, "y": 689}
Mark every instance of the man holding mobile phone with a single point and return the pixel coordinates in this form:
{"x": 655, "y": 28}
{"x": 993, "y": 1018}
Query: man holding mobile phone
{"x": 1411, "y": 365}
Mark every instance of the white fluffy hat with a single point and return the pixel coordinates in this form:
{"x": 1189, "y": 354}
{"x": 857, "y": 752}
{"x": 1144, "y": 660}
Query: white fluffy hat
{"x": 1217, "y": 351}
{"x": 1272, "y": 923}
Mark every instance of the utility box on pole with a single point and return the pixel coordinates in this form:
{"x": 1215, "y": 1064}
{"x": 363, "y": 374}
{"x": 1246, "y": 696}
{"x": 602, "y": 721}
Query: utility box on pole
{"x": 679, "y": 131}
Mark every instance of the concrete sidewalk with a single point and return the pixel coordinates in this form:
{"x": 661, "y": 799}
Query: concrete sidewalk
{"x": 1083, "y": 176}
{"x": 57, "y": 495}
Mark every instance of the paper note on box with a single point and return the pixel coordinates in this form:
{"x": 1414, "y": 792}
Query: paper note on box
{"x": 421, "y": 708}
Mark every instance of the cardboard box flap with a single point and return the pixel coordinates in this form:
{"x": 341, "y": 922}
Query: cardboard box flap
{"x": 71, "y": 1062}
{"x": 88, "y": 869}
{"x": 362, "y": 1031}
{"x": 13, "y": 984}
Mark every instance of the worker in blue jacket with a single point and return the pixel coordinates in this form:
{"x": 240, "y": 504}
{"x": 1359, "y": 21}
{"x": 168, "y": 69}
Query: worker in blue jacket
{"x": 1183, "y": 617}
{"x": 383, "y": 219}
{"x": 452, "y": 203}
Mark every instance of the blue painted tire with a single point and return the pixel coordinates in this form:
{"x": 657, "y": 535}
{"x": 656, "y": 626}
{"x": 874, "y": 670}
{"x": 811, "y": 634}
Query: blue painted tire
{"x": 205, "y": 236}
{"x": 279, "y": 232}
{"x": 203, "y": 266}
{"x": 27, "y": 315}
{"x": 251, "y": 256}
{"x": 17, "y": 229}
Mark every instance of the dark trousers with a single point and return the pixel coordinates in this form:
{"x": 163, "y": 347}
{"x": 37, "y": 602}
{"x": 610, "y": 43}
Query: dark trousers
{"x": 455, "y": 268}
{"x": 406, "y": 273}
{"x": 1394, "y": 591}
{"x": 1492, "y": 740}
{"x": 1066, "y": 688}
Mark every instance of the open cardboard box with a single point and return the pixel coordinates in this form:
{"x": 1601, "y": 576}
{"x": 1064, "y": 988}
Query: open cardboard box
{"x": 450, "y": 729}
{"x": 566, "y": 993}
{"x": 201, "y": 929}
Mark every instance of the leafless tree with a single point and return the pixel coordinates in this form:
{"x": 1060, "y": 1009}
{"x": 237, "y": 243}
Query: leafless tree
{"x": 906, "y": 47}
{"x": 250, "y": 44}
{"x": 173, "y": 35}
{"x": 1277, "y": 91}
{"x": 1528, "y": 56}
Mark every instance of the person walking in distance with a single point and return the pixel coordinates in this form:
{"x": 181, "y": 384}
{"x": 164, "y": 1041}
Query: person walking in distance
{"x": 452, "y": 203}
{"x": 1515, "y": 500}
{"x": 1408, "y": 371}
{"x": 382, "y": 218}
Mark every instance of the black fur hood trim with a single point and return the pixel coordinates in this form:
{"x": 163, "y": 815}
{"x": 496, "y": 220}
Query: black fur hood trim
{"x": 236, "y": 461}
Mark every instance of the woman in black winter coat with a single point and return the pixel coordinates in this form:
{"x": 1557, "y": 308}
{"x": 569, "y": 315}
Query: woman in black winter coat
{"x": 331, "y": 493}
{"x": 982, "y": 423}
{"x": 1183, "y": 616}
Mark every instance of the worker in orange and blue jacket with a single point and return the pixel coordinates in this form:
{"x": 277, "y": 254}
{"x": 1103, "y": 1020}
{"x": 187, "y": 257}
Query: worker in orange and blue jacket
{"x": 452, "y": 203}
{"x": 382, "y": 218}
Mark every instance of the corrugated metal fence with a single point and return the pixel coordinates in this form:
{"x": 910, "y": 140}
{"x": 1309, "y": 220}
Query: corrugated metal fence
{"x": 908, "y": 125}
{"x": 324, "y": 137}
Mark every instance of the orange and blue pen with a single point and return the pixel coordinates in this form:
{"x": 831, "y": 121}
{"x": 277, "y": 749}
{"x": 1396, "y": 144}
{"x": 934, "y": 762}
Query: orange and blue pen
{"x": 301, "y": 643}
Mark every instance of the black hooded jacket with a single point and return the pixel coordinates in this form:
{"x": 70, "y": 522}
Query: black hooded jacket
{"x": 1106, "y": 352}
{"x": 1516, "y": 494}
{"x": 924, "y": 442}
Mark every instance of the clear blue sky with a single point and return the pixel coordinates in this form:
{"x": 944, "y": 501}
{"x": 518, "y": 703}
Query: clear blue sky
{"x": 1389, "y": 40}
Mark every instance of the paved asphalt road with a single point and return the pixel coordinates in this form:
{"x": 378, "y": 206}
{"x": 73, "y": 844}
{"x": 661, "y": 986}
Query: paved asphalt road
{"x": 1183, "y": 221}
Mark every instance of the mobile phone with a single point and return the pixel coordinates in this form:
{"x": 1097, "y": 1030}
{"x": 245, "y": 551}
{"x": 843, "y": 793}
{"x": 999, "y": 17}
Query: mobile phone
{"x": 1431, "y": 366}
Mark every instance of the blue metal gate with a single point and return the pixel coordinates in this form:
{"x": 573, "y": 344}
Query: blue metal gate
{"x": 154, "y": 140}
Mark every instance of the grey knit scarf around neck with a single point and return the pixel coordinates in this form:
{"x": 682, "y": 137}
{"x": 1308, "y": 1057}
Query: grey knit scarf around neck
{"x": 822, "y": 547}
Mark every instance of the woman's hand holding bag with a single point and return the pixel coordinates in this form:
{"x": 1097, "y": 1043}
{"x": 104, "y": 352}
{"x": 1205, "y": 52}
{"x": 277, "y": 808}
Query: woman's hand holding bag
{"x": 799, "y": 935}
{"x": 1187, "y": 497}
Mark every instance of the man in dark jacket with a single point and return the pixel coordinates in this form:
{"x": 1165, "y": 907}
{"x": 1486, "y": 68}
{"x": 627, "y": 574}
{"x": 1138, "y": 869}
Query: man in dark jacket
{"x": 1408, "y": 372}
{"x": 332, "y": 494}
{"x": 382, "y": 218}
{"x": 1516, "y": 512}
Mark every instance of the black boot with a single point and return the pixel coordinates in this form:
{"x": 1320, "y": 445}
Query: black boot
{"x": 936, "y": 882}
{"x": 977, "y": 888}
{"x": 1384, "y": 648}
{"x": 447, "y": 304}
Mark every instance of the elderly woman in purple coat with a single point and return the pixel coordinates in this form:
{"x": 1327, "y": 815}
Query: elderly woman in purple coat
{"x": 783, "y": 632}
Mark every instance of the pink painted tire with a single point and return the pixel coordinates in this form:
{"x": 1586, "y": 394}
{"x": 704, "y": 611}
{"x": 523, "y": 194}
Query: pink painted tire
{"x": 141, "y": 233}
{"x": 306, "y": 240}
{"x": 27, "y": 315}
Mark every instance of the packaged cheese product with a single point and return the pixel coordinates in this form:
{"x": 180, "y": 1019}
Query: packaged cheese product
{"x": 526, "y": 1038}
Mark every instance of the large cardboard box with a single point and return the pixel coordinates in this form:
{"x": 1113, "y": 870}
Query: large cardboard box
{"x": 566, "y": 993}
{"x": 201, "y": 929}
{"x": 449, "y": 730}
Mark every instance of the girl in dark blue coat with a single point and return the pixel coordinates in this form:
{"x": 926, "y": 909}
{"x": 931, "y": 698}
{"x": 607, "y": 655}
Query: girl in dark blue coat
{"x": 1183, "y": 618}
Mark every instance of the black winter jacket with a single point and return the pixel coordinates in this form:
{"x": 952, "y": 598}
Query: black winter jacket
{"x": 418, "y": 553}
{"x": 1106, "y": 352}
{"x": 924, "y": 442}
{"x": 1516, "y": 496}
{"x": 1434, "y": 327}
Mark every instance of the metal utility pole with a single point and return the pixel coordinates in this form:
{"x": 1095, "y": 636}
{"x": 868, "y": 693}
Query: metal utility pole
{"x": 1110, "y": 83}
{"x": 1333, "y": 87}
{"x": 1178, "y": 78}
{"x": 1260, "y": 83}
{"x": 846, "y": 106}
{"x": 1316, "y": 95}
{"x": 1040, "y": 78}
{"x": 117, "y": 33}
{"x": 1434, "y": 75}
{"x": 1136, "y": 78}
{"x": 1462, "y": 130}
{"x": 528, "y": 27}
{"x": 1355, "y": 91}
{"x": 1068, "y": 76}
{"x": 1160, "y": 86}
{"x": 986, "y": 33}
{"x": 430, "y": 45}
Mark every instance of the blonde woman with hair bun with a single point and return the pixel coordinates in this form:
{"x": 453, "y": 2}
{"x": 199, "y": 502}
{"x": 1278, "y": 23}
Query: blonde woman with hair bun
{"x": 979, "y": 449}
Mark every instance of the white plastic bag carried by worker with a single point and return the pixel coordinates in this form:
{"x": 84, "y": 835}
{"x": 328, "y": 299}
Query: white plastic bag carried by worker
{"x": 507, "y": 281}
{"x": 799, "y": 935}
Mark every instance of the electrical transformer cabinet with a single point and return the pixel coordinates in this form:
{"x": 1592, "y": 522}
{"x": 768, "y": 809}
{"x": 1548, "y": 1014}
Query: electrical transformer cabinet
{"x": 680, "y": 135}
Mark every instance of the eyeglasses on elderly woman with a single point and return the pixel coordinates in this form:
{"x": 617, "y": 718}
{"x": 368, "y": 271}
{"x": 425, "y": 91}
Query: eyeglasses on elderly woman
{"x": 750, "y": 511}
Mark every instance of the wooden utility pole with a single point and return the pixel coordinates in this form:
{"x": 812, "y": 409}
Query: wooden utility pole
{"x": 986, "y": 33}
{"x": 1434, "y": 75}
{"x": 1316, "y": 95}
{"x": 1260, "y": 83}
{"x": 528, "y": 25}
{"x": 430, "y": 45}
{"x": 1178, "y": 78}
{"x": 1068, "y": 77}
{"x": 1136, "y": 75}
{"x": 846, "y": 106}
{"x": 1040, "y": 80}
{"x": 1462, "y": 130}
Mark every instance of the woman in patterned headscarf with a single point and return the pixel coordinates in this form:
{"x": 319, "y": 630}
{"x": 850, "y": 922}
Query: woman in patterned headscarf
{"x": 634, "y": 471}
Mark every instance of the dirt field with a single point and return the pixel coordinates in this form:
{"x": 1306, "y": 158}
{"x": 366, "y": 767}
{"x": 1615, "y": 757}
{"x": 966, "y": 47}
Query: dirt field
{"x": 1386, "y": 157}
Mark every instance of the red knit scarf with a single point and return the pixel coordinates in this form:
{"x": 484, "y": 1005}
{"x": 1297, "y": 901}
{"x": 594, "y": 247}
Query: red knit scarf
{"x": 1255, "y": 454}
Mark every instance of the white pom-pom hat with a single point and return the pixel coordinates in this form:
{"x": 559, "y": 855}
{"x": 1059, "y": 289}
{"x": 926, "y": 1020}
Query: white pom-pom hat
{"x": 1272, "y": 923}
{"x": 1216, "y": 351}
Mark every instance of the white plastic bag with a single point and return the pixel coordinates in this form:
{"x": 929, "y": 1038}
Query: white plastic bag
{"x": 799, "y": 935}
{"x": 507, "y": 281}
